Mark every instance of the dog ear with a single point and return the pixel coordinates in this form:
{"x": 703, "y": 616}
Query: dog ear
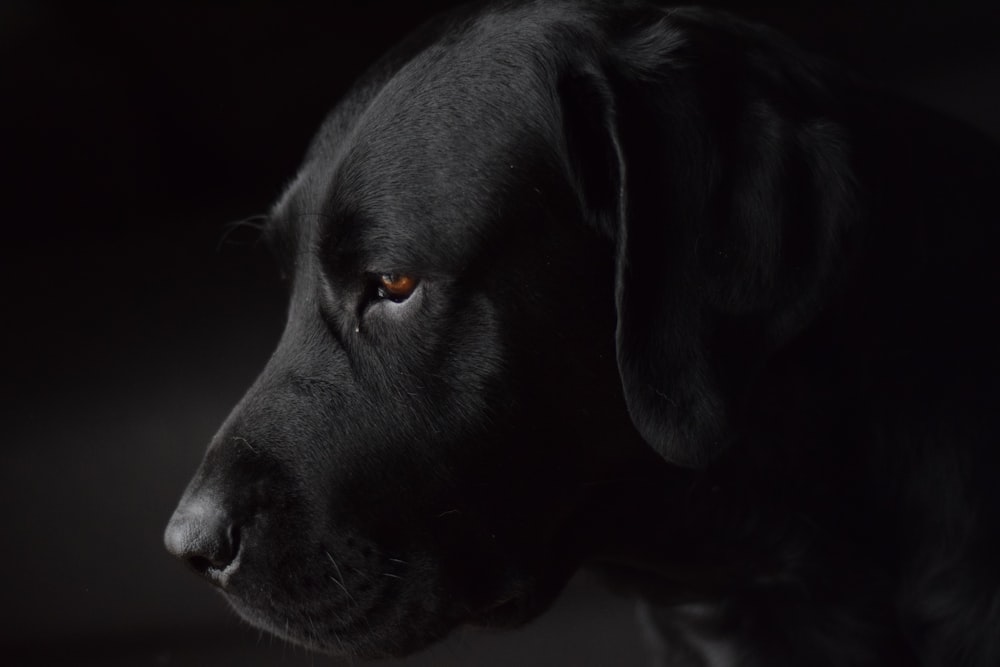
{"x": 707, "y": 153}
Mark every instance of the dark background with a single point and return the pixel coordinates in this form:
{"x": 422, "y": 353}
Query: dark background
{"x": 129, "y": 137}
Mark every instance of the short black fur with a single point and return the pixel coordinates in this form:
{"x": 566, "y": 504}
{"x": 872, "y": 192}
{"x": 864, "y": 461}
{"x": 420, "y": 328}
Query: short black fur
{"x": 690, "y": 306}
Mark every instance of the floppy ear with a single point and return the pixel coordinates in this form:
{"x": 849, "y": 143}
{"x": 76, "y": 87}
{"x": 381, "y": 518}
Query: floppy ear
{"x": 707, "y": 153}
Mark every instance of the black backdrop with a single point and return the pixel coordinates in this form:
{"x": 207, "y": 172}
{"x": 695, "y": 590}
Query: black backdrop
{"x": 129, "y": 136}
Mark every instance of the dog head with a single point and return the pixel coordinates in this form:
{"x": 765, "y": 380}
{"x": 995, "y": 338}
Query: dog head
{"x": 509, "y": 261}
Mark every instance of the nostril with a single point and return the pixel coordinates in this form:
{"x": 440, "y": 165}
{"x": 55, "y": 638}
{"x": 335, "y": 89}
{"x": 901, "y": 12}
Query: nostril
{"x": 199, "y": 564}
{"x": 203, "y": 535}
{"x": 218, "y": 554}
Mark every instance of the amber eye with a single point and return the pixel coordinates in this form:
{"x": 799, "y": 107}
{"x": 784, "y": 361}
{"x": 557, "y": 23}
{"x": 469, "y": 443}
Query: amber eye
{"x": 396, "y": 287}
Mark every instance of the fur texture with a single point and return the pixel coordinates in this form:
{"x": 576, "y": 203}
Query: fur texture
{"x": 690, "y": 306}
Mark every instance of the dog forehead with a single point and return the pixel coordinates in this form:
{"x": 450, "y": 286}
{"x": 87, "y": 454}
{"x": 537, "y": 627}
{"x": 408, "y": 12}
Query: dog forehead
{"x": 446, "y": 140}
{"x": 443, "y": 147}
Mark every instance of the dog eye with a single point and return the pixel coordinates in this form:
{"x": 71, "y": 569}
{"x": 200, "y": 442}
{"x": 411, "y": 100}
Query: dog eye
{"x": 395, "y": 287}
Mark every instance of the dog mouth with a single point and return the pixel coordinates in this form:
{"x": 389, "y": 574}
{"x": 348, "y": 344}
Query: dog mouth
{"x": 390, "y": 627}
{"x": 365, "y": 592}
{"x": 346, "y": 605}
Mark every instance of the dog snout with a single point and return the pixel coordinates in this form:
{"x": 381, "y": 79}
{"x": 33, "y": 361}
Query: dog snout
{"x": 204, "y": 535}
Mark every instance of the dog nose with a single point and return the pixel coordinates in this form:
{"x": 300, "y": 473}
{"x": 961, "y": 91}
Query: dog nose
{"x": 204, "y": 535}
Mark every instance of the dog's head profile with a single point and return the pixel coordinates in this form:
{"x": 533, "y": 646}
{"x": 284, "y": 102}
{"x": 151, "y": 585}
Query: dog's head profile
{"x": 534, "y": 258}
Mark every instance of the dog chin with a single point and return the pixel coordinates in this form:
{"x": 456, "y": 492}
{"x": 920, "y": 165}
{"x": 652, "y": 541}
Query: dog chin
{"x": 361, "y": 637}
{"x": 367, "y": 639}
{"x": 363, "y": 642}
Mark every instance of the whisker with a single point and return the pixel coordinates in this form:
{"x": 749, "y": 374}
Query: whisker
{"x": 284, "y": 642}
{"x": 341, "y": 587}
{"x": 244, "y": 442}
{"x": 255, "y": 222}
{"x": 339, "y": 579}
{"x": 315, "y": 637}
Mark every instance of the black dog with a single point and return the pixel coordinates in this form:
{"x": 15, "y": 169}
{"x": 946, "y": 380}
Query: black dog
{"x": 576, "y": 283}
